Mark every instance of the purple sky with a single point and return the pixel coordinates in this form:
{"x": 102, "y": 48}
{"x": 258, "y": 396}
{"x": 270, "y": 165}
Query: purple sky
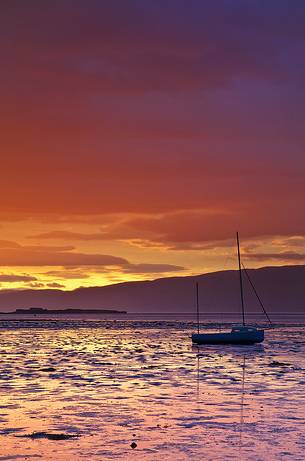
{"x": 148, "y": 132}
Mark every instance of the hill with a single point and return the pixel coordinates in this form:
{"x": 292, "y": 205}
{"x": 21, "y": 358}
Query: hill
{"x": 282, "y": 289}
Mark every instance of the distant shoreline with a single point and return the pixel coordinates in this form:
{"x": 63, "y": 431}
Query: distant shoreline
{"x": 39, "y": 311}
{"x": 205, "y": 314}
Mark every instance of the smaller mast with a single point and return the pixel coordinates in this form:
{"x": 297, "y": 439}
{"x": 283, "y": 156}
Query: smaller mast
{"x": 240, "y": 281}
{"x": 197, "y": 306}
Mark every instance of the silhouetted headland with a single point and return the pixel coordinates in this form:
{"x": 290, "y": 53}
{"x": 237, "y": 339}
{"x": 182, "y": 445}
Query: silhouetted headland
{"x": 281, "y": 288}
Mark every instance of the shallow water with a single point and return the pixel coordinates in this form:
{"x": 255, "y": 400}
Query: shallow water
{"x": 114, "y": 383}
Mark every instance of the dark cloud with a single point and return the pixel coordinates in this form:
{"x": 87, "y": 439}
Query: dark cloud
{"x": 67, "y": 274}
{"x": 55, "y": 285}
{"x": 8, "y": 244}
{"x": 141, "y": 268}
{"x": 205, "y": 229}
{"x": 285, "y": 256}
{"x": 16, "y": 278}
{"x": 42, "y": 248}
{"x": 117, "y": 229}
{"x": 145, "y": 268}
{"x": 295, "y": 241}
{"x": 36, "y": 285}
{"x": 74, "y": 263}
{"x": 55, "y": 256}
{"x": 67, "y": 235}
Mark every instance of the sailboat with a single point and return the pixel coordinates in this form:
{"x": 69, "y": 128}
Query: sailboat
{"x": 240, "y": 334}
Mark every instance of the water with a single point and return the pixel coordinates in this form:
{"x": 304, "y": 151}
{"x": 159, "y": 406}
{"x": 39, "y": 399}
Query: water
{"x": 111, "y": 383}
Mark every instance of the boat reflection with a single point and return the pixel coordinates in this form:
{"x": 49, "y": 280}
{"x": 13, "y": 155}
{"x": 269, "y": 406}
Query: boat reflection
{"x": 242, "y": 416}
{"x": 228, "y": 350}
{"x": 239, "y": 358}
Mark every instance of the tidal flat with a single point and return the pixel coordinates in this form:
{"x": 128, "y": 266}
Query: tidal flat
{"x": 97, "y": 390}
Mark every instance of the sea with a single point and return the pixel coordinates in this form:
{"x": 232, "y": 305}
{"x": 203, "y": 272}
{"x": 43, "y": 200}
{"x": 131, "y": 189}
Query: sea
{"x": 132, "y": 387}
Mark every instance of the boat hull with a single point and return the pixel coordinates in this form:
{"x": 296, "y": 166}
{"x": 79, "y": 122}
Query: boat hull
{"x": 229, "y": 338}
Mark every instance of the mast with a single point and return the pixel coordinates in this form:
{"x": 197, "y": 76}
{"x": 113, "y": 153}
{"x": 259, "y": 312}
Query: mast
{"x": 197, "y": 306}
{"x": 240, "y": 281}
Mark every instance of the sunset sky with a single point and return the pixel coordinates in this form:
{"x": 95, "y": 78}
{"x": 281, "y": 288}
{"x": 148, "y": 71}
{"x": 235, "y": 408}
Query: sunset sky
{"x": 137, "y": 136}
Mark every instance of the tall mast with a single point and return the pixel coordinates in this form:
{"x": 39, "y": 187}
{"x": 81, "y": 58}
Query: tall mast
{"x": 240, "y": 281}
{"x": 197, "y": 305}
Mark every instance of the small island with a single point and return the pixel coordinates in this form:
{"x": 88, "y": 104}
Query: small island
{"x": 40, "y": 310}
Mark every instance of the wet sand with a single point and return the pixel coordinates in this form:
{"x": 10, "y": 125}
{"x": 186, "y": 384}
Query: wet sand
{"x": 93, "y": 390}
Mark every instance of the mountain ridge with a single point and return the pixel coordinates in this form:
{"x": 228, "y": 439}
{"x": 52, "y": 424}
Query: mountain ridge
{"x": 281, "y": 288}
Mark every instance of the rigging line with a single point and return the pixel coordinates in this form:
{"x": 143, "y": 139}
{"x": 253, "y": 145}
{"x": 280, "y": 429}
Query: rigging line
{"x": 256, "y": 294}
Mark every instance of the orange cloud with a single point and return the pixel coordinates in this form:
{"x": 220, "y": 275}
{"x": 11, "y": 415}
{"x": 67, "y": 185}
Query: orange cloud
{"x": 55, "y": 256}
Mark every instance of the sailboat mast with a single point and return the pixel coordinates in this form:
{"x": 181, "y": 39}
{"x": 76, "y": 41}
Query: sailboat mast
{"x": 240, "y": 280}
{"x": 197, "y": 306}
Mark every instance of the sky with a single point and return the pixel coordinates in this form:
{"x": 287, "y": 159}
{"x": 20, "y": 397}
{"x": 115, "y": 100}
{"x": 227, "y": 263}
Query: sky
{"x": 138, "y": 136}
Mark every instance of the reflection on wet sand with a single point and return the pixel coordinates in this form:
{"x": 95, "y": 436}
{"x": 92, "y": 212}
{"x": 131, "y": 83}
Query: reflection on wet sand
{"x": 240, "y": 354}
{"x": 144, "y": 394}
{"x": 242, "y": 402}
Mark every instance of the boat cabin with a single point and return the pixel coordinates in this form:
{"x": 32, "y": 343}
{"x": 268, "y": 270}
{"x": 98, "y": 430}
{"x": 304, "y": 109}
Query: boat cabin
{"x": 243, "y": 329}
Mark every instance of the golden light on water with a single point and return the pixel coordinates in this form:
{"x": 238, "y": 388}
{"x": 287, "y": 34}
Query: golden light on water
{"x": 111, "y": 384}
